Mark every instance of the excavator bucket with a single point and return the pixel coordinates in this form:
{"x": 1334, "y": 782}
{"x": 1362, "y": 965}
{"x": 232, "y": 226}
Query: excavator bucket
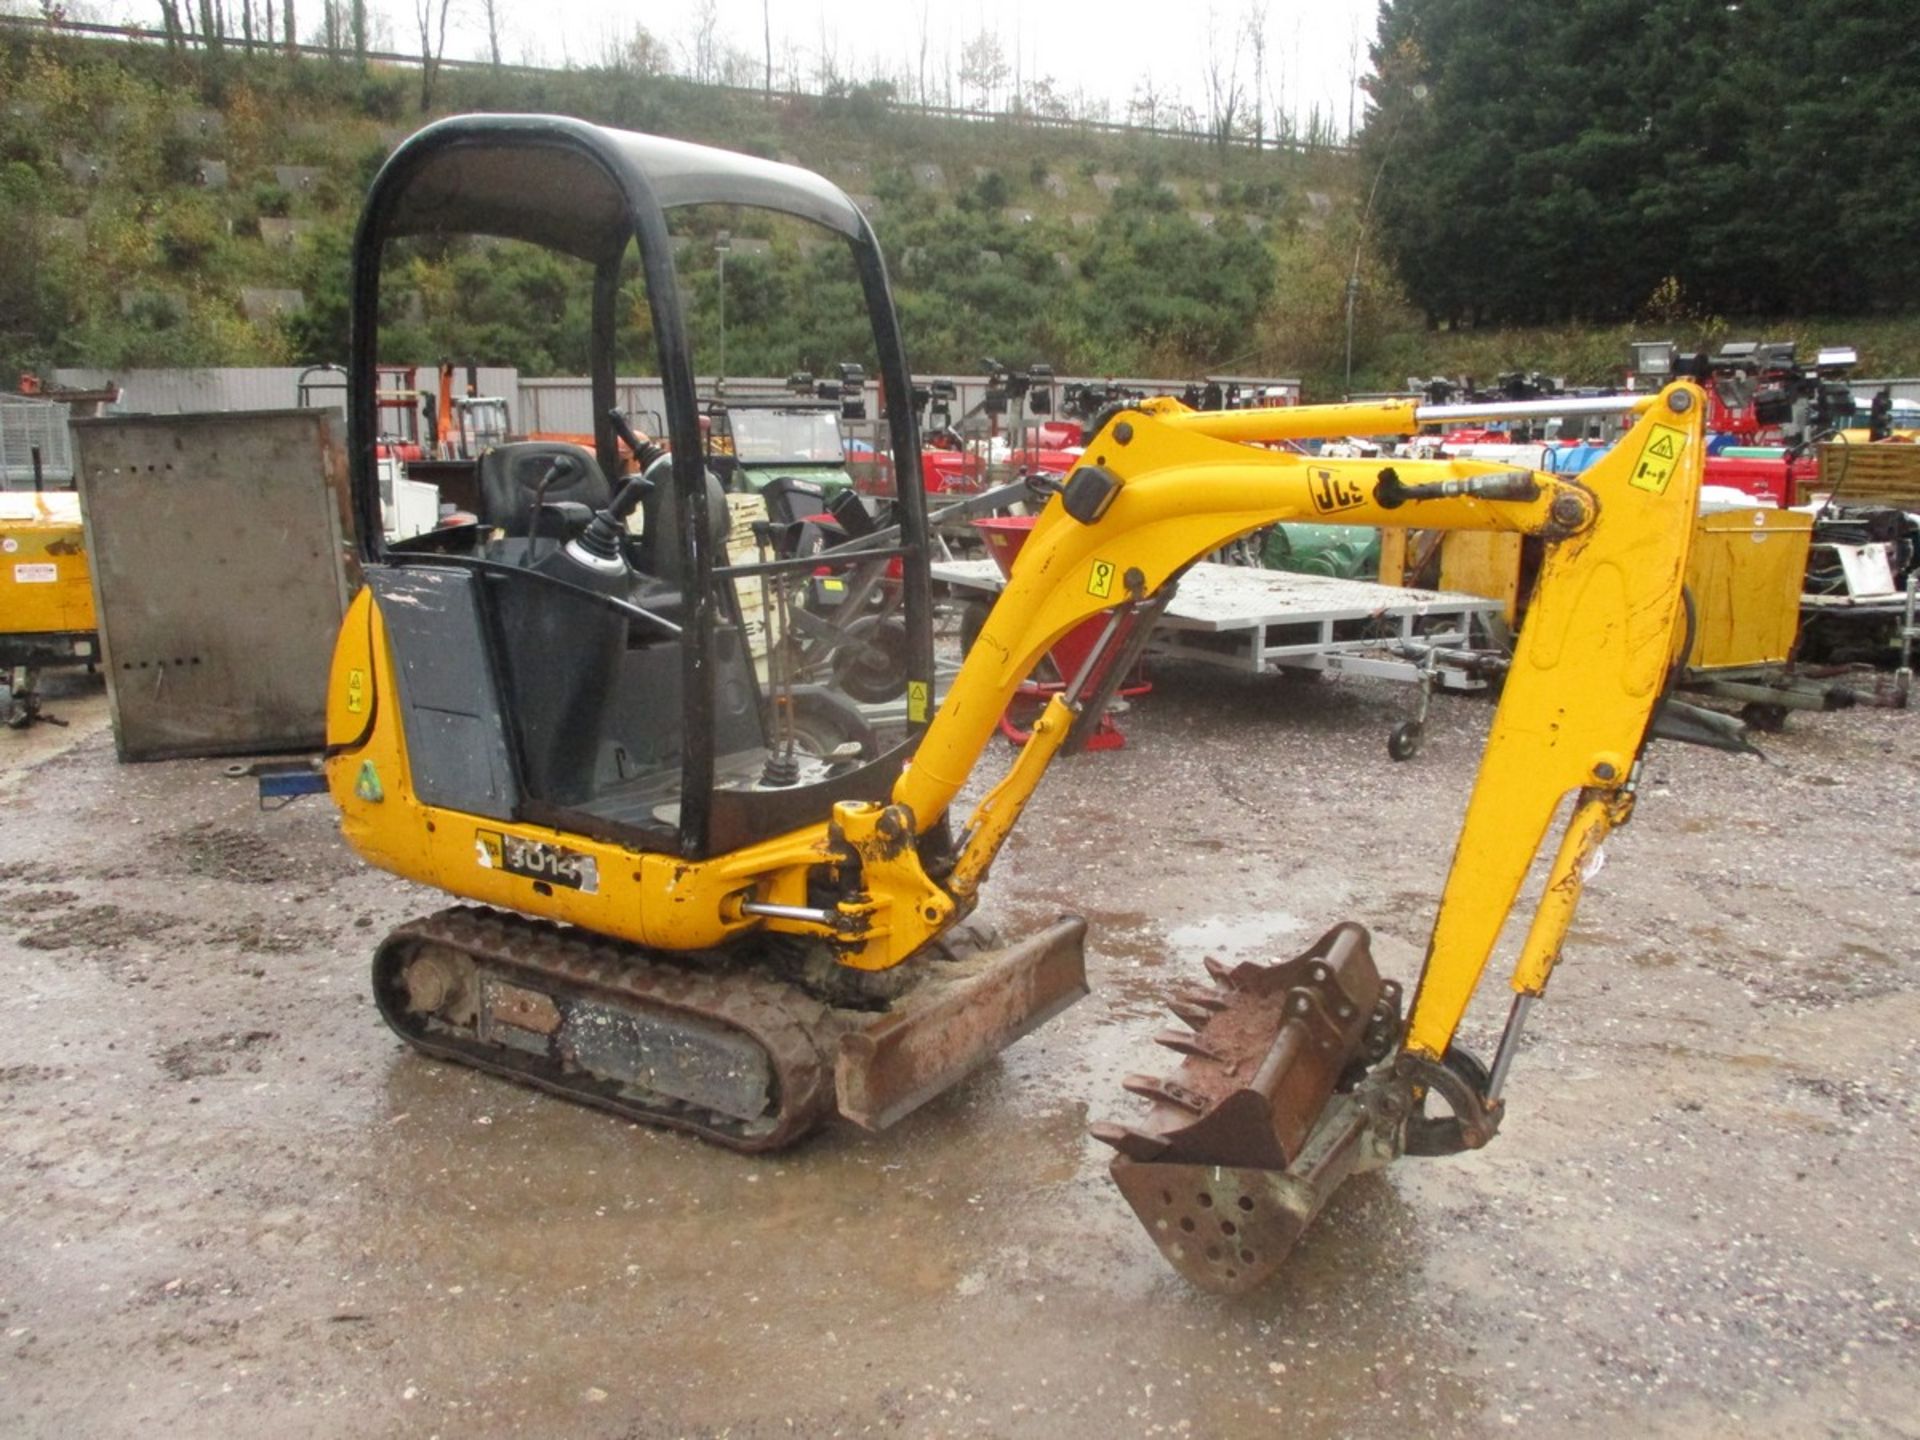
{"x": 1250, "y": 1136}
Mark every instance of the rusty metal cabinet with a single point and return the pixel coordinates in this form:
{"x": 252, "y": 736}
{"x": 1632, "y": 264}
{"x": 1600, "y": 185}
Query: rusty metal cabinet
{"x": 219, "y": 576}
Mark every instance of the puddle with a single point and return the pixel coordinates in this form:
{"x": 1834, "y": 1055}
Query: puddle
{"x": 1238, "y": 937}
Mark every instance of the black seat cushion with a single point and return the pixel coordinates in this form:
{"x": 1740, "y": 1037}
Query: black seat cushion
{"x": 510, "y": 478}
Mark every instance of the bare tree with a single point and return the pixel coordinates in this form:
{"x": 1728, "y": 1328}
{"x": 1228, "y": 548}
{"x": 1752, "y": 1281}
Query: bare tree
{"x": 1223, "y": 85}
{"x": 1144, "y": 108}
{"x": 359, "y": 29}
{"x": 1353, "y": 74}
{"x": 983, "y": 68}
{"x": 920, "y": 93}
{"x": 170, "y": 23}
{"x": 1254, "y": 23}
{"x": 766, "y": 30}
{"x": 490, "y": 11}
{"x": 640, "y": 54}
{"x": 209, "y": 28}
{"x": 287, "y": 31}
{"x": 433, "y": 44}
{"x": 703, "y": 60}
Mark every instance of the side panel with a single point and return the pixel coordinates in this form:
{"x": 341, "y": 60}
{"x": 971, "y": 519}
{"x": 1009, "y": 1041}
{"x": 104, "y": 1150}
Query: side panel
{"x": 448, "y": 704}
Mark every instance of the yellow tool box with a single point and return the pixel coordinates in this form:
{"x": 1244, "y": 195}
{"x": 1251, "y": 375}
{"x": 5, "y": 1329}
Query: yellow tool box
{"x": 46, "y": 592}
{"x": 1745, "y": 574}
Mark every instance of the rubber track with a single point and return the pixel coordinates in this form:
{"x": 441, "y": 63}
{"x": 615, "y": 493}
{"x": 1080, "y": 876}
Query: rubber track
{"x": 797, "y": 1032}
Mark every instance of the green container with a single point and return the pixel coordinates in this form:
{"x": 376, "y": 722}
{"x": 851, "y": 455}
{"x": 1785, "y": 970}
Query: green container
{"x": 1344, "y": 552}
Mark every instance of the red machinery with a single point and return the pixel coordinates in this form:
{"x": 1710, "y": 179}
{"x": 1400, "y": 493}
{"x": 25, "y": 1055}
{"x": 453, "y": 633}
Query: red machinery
{"x": 1068, "y": 659}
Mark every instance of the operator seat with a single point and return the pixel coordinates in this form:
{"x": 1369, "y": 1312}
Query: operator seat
{"x": 510, "y": 477}
{"x": 660, "y": 522}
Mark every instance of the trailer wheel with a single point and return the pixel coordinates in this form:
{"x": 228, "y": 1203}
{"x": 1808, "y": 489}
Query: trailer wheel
{"x": 1404, "y": 742}
{"x": 973, "y": 618}
{"x": 871, "y": 665}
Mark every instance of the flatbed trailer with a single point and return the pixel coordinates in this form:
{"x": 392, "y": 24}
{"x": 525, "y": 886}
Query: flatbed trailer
{"x": 1264, "y": 622}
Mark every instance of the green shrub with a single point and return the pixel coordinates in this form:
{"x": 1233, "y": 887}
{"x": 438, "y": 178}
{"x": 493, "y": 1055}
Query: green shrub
{"x": 188, "y": 231}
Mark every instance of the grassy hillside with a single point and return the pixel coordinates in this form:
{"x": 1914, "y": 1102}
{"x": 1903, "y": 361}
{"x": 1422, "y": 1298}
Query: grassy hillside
{"x": 154, "y": 207}
{"x": 158, "y": 211}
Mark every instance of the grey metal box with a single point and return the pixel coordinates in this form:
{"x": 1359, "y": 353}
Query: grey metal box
{"x": 219, "y": 576}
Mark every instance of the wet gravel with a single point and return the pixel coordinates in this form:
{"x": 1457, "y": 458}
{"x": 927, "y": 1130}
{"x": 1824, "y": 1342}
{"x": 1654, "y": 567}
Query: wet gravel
{"x": 230, "y": 1202}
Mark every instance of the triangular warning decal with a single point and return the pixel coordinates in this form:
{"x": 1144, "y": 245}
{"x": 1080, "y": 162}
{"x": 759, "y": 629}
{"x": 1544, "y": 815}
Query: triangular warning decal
{"x": 1662, "y": 447}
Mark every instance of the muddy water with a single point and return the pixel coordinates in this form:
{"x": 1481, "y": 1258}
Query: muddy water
{"x": 230, "y": 1202}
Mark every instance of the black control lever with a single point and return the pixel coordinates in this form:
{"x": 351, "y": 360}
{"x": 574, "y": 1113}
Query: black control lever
{"x": 645, "y": 451}
{"x": 560, "y": 469}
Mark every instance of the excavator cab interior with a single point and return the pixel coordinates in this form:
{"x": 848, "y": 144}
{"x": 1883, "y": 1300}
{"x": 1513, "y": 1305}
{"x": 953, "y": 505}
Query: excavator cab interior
{"x": 594, "y": 656}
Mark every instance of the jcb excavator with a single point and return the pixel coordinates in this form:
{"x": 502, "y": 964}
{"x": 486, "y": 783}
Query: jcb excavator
{"x": 688, "y": 919}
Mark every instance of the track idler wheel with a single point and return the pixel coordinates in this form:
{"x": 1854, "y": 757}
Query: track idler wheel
{"x": 1263, "y": 1120}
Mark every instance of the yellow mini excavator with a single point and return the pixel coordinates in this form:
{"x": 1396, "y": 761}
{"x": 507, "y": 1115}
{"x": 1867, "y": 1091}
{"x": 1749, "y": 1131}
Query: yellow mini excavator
{"x": 709, "y": 898}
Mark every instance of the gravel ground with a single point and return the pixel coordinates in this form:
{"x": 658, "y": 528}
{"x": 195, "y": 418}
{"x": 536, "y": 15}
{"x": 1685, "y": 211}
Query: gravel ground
{"x": 230, "y": 1202}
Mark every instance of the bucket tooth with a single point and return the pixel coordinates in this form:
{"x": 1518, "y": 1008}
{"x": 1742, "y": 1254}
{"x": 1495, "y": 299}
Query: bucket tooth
{"x": 1185, "y": 1042}
{"x": 1194, "y": 1015}
{"x": 1255, "y": 1111}
{"x": 1152, "y": 1087}
{"x": 1193, "y": 1005}
{"x": 1203, "y": 997}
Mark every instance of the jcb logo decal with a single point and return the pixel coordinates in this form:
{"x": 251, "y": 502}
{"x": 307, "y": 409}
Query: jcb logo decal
{"x": 1331, "y": 492}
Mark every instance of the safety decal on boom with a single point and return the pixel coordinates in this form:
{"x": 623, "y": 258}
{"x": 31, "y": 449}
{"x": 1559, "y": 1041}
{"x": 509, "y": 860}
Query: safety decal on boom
{"x": 1333, "y": 492}
{"x": 1100, "y": 582}
{"x": 916, "y": 702}
{"x": 536, "y": 860}
{"x": 356, "y": 691}
{"x": 1659, "y": 459}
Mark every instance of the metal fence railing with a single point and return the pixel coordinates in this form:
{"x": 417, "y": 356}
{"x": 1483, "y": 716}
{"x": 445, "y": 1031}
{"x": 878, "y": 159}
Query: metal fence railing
{"x": 29, "y": 428}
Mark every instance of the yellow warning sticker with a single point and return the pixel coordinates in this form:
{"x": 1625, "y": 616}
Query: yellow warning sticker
{"x": 916, "y": 702}
{"x": 356, "y": 691}
{"x": 490, "y": 849}
{"x": 1659, "y": 458}
{"x": 1100, "y": 582}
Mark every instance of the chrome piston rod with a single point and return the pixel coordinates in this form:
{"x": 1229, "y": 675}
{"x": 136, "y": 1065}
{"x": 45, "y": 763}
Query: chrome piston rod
{"x": 1573, "y": 405}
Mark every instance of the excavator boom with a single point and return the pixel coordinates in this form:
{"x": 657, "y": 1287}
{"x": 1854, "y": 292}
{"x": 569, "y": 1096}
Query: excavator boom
{"x": 1297, "y": 1074}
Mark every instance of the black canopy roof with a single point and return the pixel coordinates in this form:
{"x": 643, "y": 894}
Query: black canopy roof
{"x": 572, "y": 186}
